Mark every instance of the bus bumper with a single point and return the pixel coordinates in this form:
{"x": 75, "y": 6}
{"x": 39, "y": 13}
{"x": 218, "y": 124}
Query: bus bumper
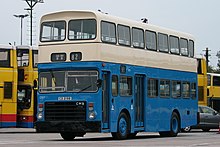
{"x": 57, "y": 127}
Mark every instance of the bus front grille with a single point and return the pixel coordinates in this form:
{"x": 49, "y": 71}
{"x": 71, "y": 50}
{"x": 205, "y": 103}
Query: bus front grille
{"x": 65, "y": 111}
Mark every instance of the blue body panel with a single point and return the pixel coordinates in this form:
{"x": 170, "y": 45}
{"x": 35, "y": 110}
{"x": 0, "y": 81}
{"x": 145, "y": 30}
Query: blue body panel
{"x": 7, "y": 124}
{"x": 157, "y": 111}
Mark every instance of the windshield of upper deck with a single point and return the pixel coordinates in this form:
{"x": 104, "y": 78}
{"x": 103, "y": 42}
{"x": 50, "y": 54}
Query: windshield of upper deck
{"x": 53, "y": 31}
{"x": 82, "y": 29}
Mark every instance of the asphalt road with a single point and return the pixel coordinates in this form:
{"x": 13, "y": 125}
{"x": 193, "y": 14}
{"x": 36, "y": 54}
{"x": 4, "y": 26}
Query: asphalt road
{"x": 15, "y": 137}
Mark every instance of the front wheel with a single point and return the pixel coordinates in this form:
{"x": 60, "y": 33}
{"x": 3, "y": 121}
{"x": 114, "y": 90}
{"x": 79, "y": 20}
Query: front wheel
{"x": 123, "y": 127}
{"x": 67, "y": 136}
{"x": 174, "y": 127}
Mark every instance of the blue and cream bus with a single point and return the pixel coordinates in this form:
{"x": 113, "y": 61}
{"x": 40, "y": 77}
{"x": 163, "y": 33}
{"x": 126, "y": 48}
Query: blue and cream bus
{"x": 100, "y": 73}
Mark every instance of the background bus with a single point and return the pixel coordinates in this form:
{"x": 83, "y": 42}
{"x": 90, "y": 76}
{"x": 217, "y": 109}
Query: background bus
{"x": 100, "y": 73}
{"x": 27, "y": 58}
{"x": 18, "y": 98}
{"x": 8, "y": 86}
{"x": 214, "y": 91}
{"x": 202, "y": 82}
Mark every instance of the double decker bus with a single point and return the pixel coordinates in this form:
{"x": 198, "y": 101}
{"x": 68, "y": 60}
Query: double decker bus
{"x": 100, "y": 73}
{"x": 202, "y": 82}
{"x": 214, "y": 91}
{"x": 18, "y": 69}
{"x": 8, "y": 86}
{"x": 27, "y": 58}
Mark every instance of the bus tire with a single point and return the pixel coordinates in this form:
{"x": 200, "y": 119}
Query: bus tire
{"x": 132, "y": 135}
{"x": 67, "y": 136}
{"x": 174, "y": 127}
{"x": 122, "y": 128}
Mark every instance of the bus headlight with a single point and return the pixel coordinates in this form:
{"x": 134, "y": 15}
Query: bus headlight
{"x": 39, "y": 115}
{"x": 92, "y": 115}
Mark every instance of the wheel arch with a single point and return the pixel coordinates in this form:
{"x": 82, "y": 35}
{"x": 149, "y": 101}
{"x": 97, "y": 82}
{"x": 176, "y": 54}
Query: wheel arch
{"x": 178, "y": 114}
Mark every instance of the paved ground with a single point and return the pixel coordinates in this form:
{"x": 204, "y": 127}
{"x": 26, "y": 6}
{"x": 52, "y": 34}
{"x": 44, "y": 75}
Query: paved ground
{"x": 18, "y": 137}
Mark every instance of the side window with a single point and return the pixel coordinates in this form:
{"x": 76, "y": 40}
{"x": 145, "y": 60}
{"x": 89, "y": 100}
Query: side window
{"x": 193, "y": 90}
{"x": 4, "y": 58}
{"x": 114, "y": 85}
{"x": 216, "y": 81}
{"x": 174, "y": 45}
{"x": 163, "y": 42}
{"x": 186, "y": 90}
{"x": 152, "y": 89}
{"x": 108, "y": 32}
{"x": 137, "y": 38}
{"x": 125, "y": 86}
{"x": 191, "y": 48}
{"x": 176, "y": 89}
{"x": 164, "y": 88}
{"x": 184, "y": 47}
{"x": 8, "y": 90}
{"x": 124, "y": 37}
{"x": 151, "y": 40}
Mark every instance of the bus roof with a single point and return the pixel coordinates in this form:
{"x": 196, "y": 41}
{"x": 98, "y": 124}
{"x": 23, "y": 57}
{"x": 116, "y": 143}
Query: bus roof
{"x": 27, "y": 47}
{"x": 68, "y": 15}
{"x": 214, "y": 74}
{"x": 6, "y": 46}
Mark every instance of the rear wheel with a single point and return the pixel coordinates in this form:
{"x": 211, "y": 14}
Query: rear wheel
{"x": 206, "y": 130}
{"x": 123, "y": 127}
{"x": 174, "y": 127}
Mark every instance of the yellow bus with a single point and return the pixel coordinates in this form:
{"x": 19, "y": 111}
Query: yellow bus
{"x": 27, "y": 58}
{"x": 202, "y": 82}
{"x": 18, "y": 69}
{"x": 8, "y": 86}
{"x": 213, "y": 91}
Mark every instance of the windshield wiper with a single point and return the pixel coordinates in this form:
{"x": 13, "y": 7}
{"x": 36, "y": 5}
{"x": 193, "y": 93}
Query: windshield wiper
{"x": 84, "y": 89}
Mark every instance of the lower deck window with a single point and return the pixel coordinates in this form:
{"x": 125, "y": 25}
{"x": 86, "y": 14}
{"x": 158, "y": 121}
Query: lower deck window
{"x": 152, "y": 87}
{"x": 164, "y": 88}
{"x": 125, "y": 86}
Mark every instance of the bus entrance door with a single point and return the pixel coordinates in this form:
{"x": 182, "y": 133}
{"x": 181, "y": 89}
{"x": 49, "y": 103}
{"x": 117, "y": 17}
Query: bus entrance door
{"x": 139, "y": 101}
{"x": 105, "y": 100}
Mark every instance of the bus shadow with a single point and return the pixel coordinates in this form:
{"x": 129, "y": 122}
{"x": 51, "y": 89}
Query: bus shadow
{"x": 110, "y": 138}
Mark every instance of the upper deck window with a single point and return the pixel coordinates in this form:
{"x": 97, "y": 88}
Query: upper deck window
{"x": 216, "y": 81}
{"x": 53, "y": 31}
{"x": 82, "y": 29}
{"x": 174, "y": 45}
{"x": 4, "y": 58}
{"x": 138, "y": 38}
{"x": 23, "y": 57}
{"x": 163, "y": 42}
{"x": 184, "y": 47}
{"x": 151, "y": 40}
{"x": 108, "y": 32}
{"x": 124, "y": 35}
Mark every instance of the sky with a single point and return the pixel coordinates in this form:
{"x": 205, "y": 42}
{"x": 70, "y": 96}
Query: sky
{"x": 201, "y": 18}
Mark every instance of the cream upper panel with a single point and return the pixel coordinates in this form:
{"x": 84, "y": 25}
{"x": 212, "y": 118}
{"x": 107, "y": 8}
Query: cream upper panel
{"x": 124, "y": 55}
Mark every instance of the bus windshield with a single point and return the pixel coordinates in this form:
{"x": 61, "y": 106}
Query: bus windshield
{"x": 53, "y": 31}
{"x": 69, "y": 81}
{"x": 82, "y": 29}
